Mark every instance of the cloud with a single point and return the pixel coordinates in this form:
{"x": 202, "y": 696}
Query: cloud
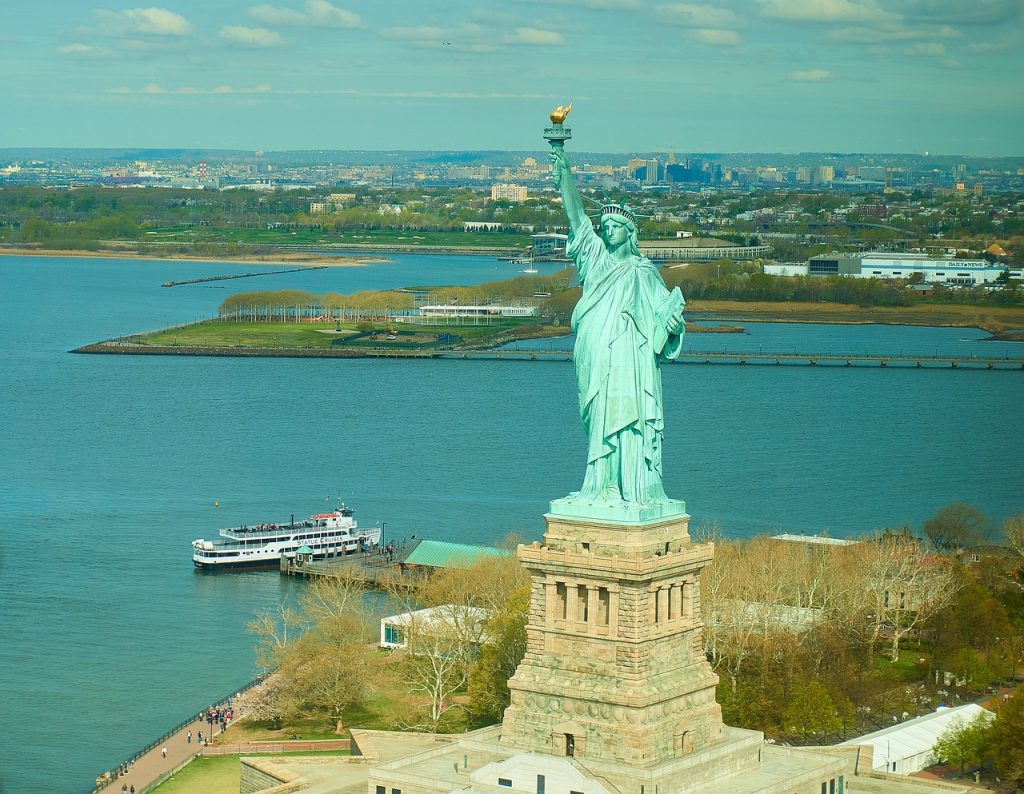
{"x": 894, "y": 33}
{"x": 317, "y": 13}
{"x": 696, "y": 16}
{"x": 809, "y": 76}
{"x": 86, "y": 51}
{"x": 976, "y": 12}
{"x": 992, "y": 47}
{"x": 421, "y": 33}
{"x": 154, "y": 88}
{"x": 467, "y": 36}
{"x": 142, "y": 21}
{"x": 719, "y": 38}
{"x": 534, "y": 36}
{"x": 823, "y": 10}
{"x": 250, "y": 37}
{"x": 933, "y": 48}
{"x": 603, "y": 5}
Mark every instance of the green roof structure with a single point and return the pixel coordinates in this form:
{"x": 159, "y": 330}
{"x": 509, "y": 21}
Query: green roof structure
{"x": 304, "y": 550}
{"x": 439, "y": 554}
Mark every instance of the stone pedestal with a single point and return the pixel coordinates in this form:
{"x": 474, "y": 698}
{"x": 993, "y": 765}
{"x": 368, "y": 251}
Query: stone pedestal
{"x": 614, "y": 670}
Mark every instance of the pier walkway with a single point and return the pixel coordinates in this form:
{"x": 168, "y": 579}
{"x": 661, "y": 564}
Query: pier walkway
{"x": 880, "y": 360}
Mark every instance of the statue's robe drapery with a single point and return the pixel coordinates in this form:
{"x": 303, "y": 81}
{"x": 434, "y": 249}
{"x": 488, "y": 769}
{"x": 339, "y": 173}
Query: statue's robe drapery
{"x": 621, "y": 326}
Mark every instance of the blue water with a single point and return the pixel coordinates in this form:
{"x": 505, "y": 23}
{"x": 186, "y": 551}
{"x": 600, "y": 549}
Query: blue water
{"x": 111, "y": 465}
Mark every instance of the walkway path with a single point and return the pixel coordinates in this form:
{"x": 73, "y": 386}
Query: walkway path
{"x": 152, "y": 766}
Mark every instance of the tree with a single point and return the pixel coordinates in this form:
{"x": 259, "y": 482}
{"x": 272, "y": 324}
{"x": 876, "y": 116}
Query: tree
{"x": 1013, "y": 531}
{"x": 323, "y": 672}
{"x": 445, "y": 645}
{"x": 500, "y": 655}
{"x": 964, "y": 743}
{"x": 1005, "y": 745}
{"x": 274, "y": 632}
{"x": 319, "y": 653}
{"x": 902, "y": 587}
{"x": 956, "y": 526}
{"x": 811, "y": 710}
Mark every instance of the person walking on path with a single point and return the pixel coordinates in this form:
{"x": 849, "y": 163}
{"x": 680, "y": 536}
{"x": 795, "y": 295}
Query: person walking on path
{"x": 164, "y": 751}
{"x": 189, "y": 737}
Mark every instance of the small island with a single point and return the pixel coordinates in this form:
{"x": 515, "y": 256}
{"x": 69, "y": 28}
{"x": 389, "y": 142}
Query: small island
{"x": 426, "y": 322}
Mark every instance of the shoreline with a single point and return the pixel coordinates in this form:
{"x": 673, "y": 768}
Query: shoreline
{"x": 276, "y": 260}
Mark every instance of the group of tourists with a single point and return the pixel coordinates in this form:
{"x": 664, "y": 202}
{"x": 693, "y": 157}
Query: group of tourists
{"x": 217, "y": 715}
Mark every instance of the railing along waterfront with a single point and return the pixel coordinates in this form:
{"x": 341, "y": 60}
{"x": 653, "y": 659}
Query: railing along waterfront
{"x": 104, "y": 779}
{"x": 882, "y": 360}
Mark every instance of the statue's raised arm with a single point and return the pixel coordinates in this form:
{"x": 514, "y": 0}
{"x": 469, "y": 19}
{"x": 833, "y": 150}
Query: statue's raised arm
{"x": 572, "y": 201}
{"x": 626, "y": 324}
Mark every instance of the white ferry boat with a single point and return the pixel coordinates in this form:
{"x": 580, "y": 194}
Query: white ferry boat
{"x": 324, "y": 534}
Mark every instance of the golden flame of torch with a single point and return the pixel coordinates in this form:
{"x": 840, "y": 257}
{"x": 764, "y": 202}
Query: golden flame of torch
{"x": 559, "y": 113}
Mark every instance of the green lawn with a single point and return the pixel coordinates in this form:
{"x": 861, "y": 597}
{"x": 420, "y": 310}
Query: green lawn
{"x": 906, "y": 669}
{"x": 220, "y": 774}
{"x": 280, "y": 236}
{"x": 222, "y": 333}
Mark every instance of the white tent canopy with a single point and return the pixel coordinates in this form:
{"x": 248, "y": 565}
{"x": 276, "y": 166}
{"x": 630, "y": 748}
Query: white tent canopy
{"x": 907, "y": 747}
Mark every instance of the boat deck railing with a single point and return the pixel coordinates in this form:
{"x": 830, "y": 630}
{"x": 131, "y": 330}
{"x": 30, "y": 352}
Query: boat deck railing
{"x": 252, "y": 533}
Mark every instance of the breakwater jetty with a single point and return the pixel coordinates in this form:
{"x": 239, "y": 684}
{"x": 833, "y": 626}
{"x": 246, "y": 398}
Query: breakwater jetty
{"x": 229, "y": 276}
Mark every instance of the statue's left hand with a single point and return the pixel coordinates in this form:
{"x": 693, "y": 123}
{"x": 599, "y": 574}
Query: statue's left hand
{"x": 675, "y": 323}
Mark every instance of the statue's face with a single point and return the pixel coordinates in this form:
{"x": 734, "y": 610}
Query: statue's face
{"x": 614, "y": 232}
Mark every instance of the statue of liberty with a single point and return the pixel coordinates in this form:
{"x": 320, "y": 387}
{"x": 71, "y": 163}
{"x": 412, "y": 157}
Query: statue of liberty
{"x": 626, "y": 323}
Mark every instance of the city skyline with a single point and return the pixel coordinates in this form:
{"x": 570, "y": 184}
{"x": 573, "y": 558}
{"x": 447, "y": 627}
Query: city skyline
{"x": 768, "y": 75}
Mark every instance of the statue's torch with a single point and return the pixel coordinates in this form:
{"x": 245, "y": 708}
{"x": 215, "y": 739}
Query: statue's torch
{"x": 557, "y": 134}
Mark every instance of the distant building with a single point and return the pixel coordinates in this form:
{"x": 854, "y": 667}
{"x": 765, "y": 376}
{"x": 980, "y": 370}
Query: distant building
{"x": 549, "y": 245}
{"x": 652, "y": 172}
{"x": 508, "y": 192}
{"x": 950, "y": 271}
{"x": 446, "y": 314}
{"x": 814, "y": 540}
{"x": 786, "y": 269}
{"x": 679, "y": 251}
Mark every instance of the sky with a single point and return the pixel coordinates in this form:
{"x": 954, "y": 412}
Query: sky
{"x": 945, "y": 76}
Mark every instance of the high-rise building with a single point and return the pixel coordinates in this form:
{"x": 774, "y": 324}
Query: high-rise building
{"x": 508, "y": 192}
{"x": 651, "y": 174}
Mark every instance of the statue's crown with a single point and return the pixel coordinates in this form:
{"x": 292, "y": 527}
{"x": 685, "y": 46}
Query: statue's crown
{"x": 619, "y": 209}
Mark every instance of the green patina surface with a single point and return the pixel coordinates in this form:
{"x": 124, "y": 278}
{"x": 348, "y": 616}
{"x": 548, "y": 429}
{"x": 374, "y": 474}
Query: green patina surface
{"x": 626, "y": 324}
{"x": 439, "y": 554}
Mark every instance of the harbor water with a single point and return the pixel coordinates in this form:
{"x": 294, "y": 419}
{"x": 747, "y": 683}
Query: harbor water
{"x": 111, "y": 465}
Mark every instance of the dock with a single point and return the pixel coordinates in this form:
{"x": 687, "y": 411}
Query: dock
{"x": 376, "y": 570}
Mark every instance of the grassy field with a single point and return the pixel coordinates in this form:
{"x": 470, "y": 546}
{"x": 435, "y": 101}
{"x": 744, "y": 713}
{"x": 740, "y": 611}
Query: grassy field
{"x": 991, "y": 318}
{"x": 369, "y": 237}
{"x": 220, "y": 774}
{"x": 219, "y": 333}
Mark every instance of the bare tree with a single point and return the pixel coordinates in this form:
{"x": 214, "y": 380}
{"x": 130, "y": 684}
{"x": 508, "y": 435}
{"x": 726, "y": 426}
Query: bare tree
{"x": 903, "y": 587}
{"x": 957, "y": 525}
{"x": 1013, "y": 531}
{"x": 274, "y": 632}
